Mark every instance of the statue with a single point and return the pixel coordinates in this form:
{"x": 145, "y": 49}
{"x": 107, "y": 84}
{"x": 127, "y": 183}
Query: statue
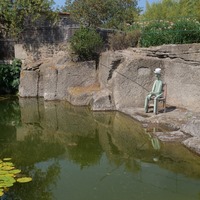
{"x": 156, "y": 91}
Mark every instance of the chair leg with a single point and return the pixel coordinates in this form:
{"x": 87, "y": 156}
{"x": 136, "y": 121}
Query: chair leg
{"x": 164, "y": 106}
{"x": 147, "y": 108}
{"x": 155, "y": 109}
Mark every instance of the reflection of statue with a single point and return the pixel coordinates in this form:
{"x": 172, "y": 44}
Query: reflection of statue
{"x": 156, "y": 91}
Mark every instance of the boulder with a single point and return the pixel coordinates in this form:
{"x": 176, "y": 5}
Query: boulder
{"x": 82, "y": 95}
{"x": 193, "y": 144}
{"x": 171, "y": 136}
{"x": 29, "y": 83}
{"x": 50, "y": 83}
{"x": 192, "y": 127}
{"x": 102, "y": 100}
{"x": 80, "y": 74}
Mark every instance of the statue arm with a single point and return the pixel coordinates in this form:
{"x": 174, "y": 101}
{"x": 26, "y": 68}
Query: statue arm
{"x": 153, "y": 88}
{"x": 159, "y": 95}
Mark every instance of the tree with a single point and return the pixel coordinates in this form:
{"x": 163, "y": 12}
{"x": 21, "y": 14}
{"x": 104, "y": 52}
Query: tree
{"x": 101, "y": 13}
{"x": 86, "y": 43}
{"x": 172, "y": 9}
{"x": 15, "y": 14}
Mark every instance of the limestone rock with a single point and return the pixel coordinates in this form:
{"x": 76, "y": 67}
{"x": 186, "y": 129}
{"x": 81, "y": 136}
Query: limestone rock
{"x": 102, "y": 100}
{"x": 171, "y": 136}
{"x": 81, "y": 74}
{"x": 82, "y": 95}
{"x": 33, "y": 66}
{"x": 192, "y": 127}
{"x": 28, "y": 83}
{"x": 193, "y": 144}
{"x": 50, "y": 83}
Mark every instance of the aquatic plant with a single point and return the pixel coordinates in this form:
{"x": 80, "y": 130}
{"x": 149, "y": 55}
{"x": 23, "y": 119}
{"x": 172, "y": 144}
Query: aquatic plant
{"x": 9, "y": 175}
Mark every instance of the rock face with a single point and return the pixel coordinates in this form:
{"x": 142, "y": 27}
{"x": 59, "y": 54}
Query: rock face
{"x": 55, "y": 82}
{"x": 124, "y": 78}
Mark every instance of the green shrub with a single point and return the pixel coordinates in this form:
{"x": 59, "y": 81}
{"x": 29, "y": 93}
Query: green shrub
{"x": 186, "y": 31}
{"x": 156, "y": 33}
{"x": 162, "y": 32}
{"x": 9, "y": 76}
{"x": 86, "y": 43}
{"x": 123, "y": 40}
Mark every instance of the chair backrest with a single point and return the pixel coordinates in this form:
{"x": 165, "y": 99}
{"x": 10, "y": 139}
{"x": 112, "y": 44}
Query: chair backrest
{"x": 164, "y": 89}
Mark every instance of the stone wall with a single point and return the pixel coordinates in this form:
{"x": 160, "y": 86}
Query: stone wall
{"x": 6, "y": 49}
{"x": 122, "y": 79}
{"x": 44, "y": 40}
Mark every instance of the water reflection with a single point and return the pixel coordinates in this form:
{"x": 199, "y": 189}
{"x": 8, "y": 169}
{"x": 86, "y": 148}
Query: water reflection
{"x": 62, "y": 145}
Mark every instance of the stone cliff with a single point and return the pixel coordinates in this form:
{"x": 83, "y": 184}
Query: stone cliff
{"x": 121, "y": 80}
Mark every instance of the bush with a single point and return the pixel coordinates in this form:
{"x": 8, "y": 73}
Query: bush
{"x": 165, "y": 32}
{"x": 186, "y": 31}
{"x": 9, "y": 76}
{"x": 156, "y": 33}
{"x": 123, "y": 40}
{"x": 86, "y": 43}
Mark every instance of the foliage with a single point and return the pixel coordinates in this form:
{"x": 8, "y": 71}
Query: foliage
{"x": 15, "y": 15}
{"x": 123, "y": 40}
{"x": 86, "y": 43}
{"x": 160, "y": 32}
{"x": 167, "y": 9}
{"x": 101, "y": 13}
{"x": 186, "y": 31}
{"x": 9, "y": 76}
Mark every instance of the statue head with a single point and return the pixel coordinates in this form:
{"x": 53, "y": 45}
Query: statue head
{"x": 157, "y": 72}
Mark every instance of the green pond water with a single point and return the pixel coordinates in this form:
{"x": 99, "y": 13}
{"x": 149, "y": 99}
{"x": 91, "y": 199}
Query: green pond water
{"x": 75, "y": 154}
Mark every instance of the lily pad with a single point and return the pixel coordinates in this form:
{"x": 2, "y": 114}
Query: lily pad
{"x": 24, "y": 180}
{"x": 1, "y": 193}
{"x": 2, "y": 172}
{"x": 14, "y": 171}
{"x": 7, "y": 159}
{"x": 8, "y": 164}
{"x": 3, "y": 185}
{"x": 7, "y": 168}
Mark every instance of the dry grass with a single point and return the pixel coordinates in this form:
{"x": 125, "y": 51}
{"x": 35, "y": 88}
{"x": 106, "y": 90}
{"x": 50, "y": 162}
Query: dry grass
{"x": 85, "y": 89}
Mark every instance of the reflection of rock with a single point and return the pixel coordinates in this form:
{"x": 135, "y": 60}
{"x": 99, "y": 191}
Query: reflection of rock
{"x": 177, "y": 158}
{"x": 85, "y": 135}
{"x": 29, "y": 110}
{"x": 129, "y": 135}
{"x": 50, "y": 116}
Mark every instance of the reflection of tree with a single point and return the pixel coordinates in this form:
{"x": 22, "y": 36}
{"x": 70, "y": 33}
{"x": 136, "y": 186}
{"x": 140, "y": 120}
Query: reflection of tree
{"x": 25, "y": 154}
{"x": 120, "y": 156}
{"x": 33, "y": 149}
{"x": 10, "y": 111}
{"x": 8, "y": 134}
{"x": 87, "y": 150}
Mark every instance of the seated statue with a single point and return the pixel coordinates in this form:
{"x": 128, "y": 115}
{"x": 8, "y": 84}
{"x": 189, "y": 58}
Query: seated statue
{"x": 156, "y": 91}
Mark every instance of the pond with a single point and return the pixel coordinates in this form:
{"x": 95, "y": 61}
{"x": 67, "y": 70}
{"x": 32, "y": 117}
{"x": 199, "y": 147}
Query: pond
{"x": 75, "y": 154}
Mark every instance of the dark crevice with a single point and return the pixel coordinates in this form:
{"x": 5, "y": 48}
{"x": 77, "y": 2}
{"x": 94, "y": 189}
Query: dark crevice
{"x": 114, "y": 66}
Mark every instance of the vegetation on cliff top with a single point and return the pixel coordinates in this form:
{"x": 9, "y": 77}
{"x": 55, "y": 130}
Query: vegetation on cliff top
{"x": 163, "y": 22}
{"x": 15, "y": 15}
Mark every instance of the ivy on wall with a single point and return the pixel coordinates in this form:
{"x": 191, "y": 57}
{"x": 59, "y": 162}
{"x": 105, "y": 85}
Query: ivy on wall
{"x": 9, "y": 77}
